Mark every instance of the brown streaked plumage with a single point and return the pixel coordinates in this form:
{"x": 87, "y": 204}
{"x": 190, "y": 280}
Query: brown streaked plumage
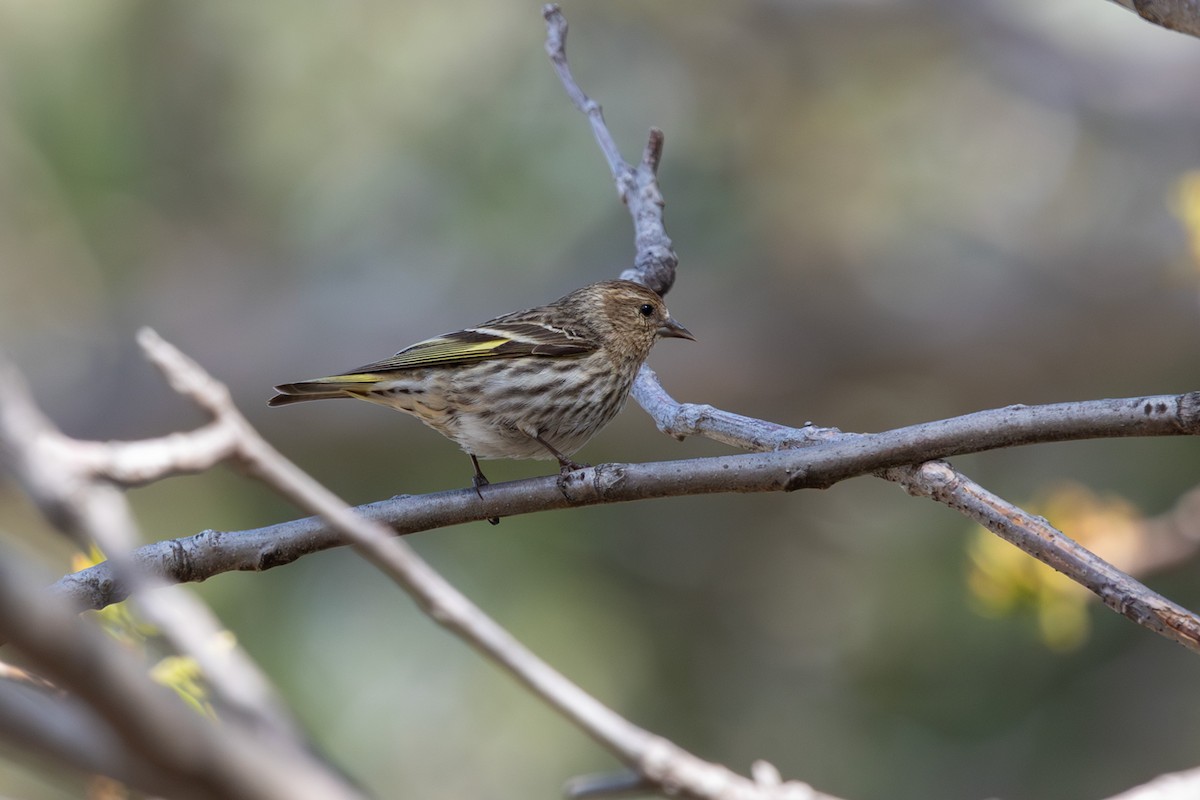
{"x": 537, "y": 383}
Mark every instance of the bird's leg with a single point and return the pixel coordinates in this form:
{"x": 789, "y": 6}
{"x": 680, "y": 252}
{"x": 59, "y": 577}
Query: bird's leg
{"x": 479, "y": 480}
{"x": 565, "y": 464}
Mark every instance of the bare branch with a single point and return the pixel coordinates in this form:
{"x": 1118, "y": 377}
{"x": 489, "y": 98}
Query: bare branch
{"x": 1174, "y": 786}
{"x": 1177, "y": 15}
{"x": 1037, "y": 537}
{"x": 933, "y": 479}
{"x": 556, "y": 41}
{"x": 75, "y": 483}
{"x": 658, "y": 759}
{"x": 939, "y": 481}
{"x": 998, "y": 428}
{"x": 802, "y": 457}
{"x": 785, "y": 459}
{"x": 33, "y": 440}
{"x": 67, "y": 732}
{"x": 655, "y": 261}
{"x": 152, "y": 724}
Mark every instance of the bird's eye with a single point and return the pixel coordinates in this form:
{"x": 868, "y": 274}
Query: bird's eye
{"x": 645, "y": 309}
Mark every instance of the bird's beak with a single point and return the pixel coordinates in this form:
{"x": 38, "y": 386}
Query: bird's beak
{"x": 673, "y": 330}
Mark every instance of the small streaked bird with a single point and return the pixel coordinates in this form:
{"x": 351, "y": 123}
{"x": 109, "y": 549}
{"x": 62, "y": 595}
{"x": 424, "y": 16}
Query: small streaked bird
{"x": 532, "y": 384}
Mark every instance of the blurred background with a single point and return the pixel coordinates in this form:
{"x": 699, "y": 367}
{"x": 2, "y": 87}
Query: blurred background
{"x": 887, "y": 212}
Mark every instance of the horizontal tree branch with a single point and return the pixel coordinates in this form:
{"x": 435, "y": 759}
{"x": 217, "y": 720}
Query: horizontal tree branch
{"x": 818, "y": 459}
{"x": 943, "y": 483}
{"x": 788, "y": 459}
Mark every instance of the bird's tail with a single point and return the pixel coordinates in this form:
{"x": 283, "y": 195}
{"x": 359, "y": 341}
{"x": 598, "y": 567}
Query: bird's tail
{"x": 322, "y": 389}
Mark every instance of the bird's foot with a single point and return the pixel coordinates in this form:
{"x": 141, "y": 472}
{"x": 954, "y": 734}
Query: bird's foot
{"x": 566, "y": 465}
{"x": 479, "y": 480}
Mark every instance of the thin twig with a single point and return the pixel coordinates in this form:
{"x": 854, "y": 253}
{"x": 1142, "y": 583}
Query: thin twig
{"x": 556, "y": 41}
{"x": 655, "y": 261}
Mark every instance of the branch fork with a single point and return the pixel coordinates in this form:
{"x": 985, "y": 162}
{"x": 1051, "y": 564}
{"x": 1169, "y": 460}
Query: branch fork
{"x": 78, "y": 482}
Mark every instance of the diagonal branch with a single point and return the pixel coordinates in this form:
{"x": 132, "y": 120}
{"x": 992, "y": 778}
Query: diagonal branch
{"x": 76, "y": 484}
{"x": 655, "y": 261}
{"x": 149, "y": 737}
{"x": 652, "y": 756}
{"x": 784, "y": 459}
{"x": 1172, "y": 786}
{"x": 937, "y": 480}
{"x": 164, "y": 745}
{"x": 1176, "y": 15}
{"x": 934, "y": 479}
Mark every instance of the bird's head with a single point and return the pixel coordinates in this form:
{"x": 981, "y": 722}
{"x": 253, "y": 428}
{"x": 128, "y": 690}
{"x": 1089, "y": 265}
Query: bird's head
{"x": 628, "y": 315}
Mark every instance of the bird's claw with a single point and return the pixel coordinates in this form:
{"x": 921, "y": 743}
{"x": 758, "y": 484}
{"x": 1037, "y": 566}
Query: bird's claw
{"x": 567, "y": 465}
{"x": 479, "y": 480}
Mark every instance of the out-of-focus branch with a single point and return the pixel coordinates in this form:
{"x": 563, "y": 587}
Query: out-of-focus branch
{"x": 654, "y": 757}
{"x": 76, "y": 483}
{"x": 164, "y": 746}
{"x": 1169, "y": 538}
{"x": 1174, "y": 786}
{"x": 785, "y": 459}
{"x": 1178, "y": 15}
{"x": 66, "y": 731}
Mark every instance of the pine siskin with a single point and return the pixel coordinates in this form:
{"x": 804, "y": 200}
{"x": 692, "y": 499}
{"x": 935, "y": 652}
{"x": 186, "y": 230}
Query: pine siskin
{"x": 532, "y": 384}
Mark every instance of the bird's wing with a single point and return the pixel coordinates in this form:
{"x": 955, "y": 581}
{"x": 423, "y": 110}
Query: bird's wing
{"x": 496, "y": 339}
